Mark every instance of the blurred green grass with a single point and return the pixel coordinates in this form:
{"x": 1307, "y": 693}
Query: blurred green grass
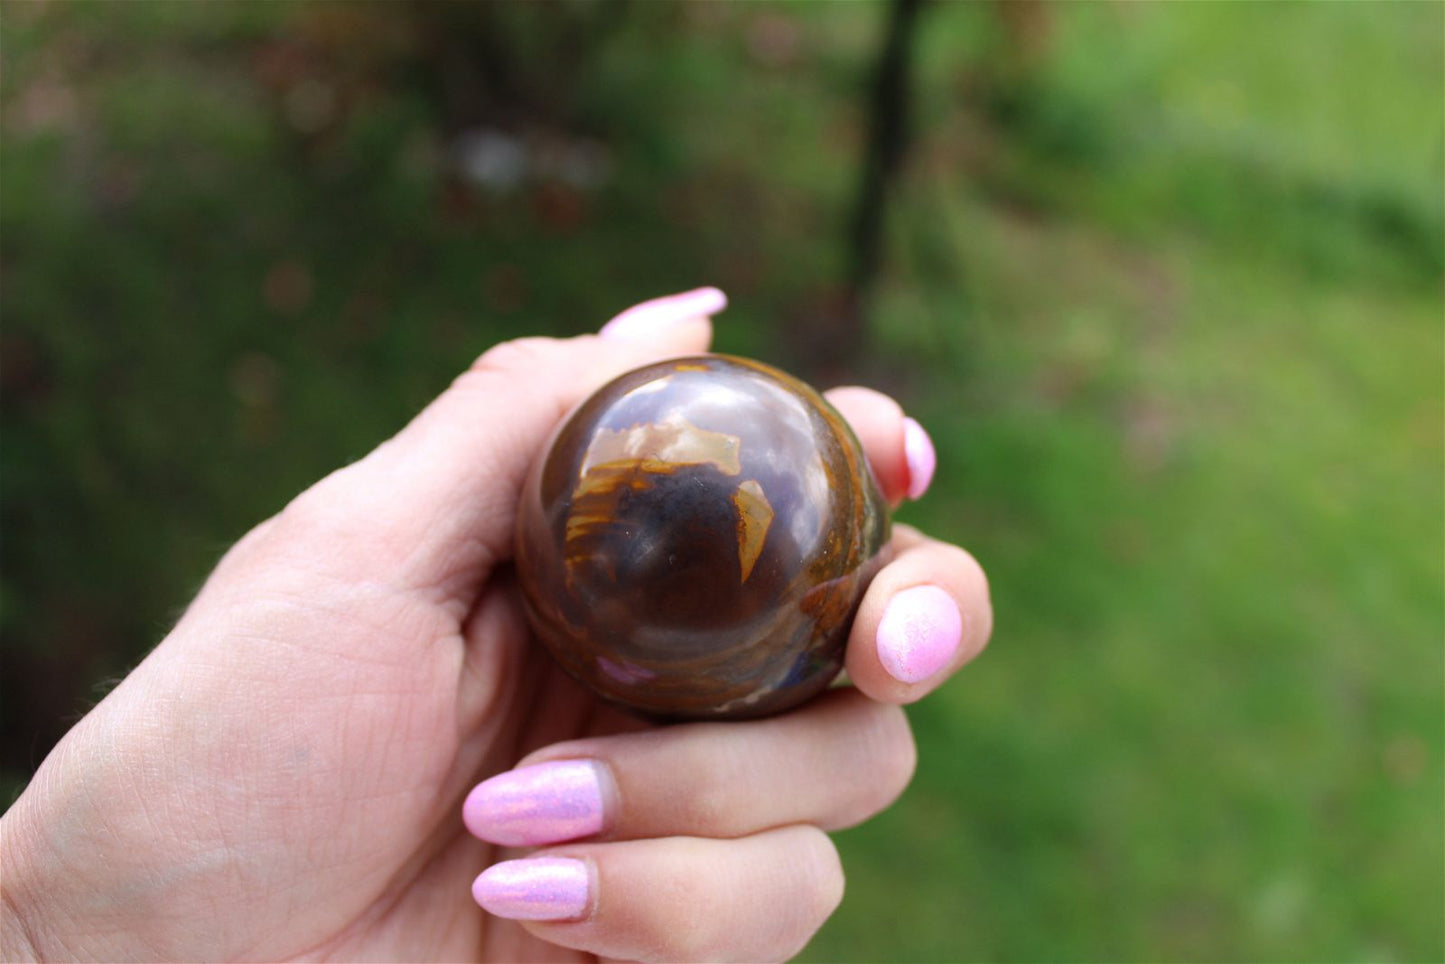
{"x": 1167, "y": 293}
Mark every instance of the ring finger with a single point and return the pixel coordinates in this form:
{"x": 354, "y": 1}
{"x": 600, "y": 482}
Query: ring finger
{"x": 676, "y": 899}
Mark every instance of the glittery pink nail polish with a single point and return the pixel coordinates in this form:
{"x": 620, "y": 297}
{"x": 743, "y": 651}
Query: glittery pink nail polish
{"x": 536, "y": 805}
{"x": 919, "y": 633}
{"x": 539, "y": 888}
{"x": 642, "y": 322}
{"x": 922, "y": 460}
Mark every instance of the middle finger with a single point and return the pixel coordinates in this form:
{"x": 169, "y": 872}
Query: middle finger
{"x": 833, "y": 763}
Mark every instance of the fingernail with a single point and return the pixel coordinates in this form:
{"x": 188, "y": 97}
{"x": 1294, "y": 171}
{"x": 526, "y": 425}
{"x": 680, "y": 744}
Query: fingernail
{"x": 644, "y": 321}
{"x": 541, "y": 804}
{"x": 922, "y": 460}
{"x": 919, "y": 633}
{"x": 538, "y": 888}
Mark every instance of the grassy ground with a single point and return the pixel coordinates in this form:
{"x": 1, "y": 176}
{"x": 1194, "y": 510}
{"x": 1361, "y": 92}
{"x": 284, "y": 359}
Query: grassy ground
{"x": 1164, "y": 283}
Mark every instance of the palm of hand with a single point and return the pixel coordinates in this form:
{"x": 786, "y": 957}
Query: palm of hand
{"x": 344, "y": 826}
{"x": 400, "y": 709}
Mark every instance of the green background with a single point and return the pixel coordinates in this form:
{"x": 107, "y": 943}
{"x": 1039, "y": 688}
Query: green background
{"x": 1163, "y": 282}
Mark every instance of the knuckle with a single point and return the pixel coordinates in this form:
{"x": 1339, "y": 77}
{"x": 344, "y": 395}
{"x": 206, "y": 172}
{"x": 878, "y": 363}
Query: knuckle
{"x": 314, "y": 513}
{"x": 686, "y": 933}
{"x": 337, "y": 527}
{"x": 828, "y": 875}
{"x": 977, "y": 581}
{"x": 972, "y": 583}
{"x": 822, "y": 887}
{"x": 691, "y": 939}
{"x": 705, "y": 807}
{"x": 517, "y": 355}
{"x": 974, "y": 576}
{"x": 962, "y": 562}
{"x": 909, "y": 534}
{"x": 898, "y": 752}
{"x": 714, "y": 917}
{"x": 250, "y": 549}
{"x": 510, "y": 369}
{"x": 328, "y": 510}
{"x": 891, "y": 756}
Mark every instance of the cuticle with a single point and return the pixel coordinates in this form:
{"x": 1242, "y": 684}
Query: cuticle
{"x": 610, "y": 793}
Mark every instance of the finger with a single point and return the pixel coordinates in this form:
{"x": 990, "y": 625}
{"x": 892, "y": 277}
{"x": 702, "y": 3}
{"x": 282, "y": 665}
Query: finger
{"x": 925, "y": 614}
{"x": 898, "y": 449}
{"x": 434, "y": 506}
{"x": 758, "y": 898}
{"x": 834, "y": 763}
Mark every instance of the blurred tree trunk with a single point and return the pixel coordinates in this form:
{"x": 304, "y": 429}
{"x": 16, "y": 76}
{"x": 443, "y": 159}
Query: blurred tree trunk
{"x": 890, "y": 105}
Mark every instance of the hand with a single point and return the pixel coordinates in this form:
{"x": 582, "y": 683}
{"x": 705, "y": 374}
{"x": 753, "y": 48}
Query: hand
{"x": 283, "y": 776}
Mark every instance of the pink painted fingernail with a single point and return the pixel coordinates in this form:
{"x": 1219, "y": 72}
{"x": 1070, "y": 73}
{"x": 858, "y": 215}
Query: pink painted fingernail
{"x": 538, "y": 888}
{"x": 644, "y": 321}
{"x": 922, "y": 460}
{"x": 536, "y": 805}
{"x": 919, "y": 633}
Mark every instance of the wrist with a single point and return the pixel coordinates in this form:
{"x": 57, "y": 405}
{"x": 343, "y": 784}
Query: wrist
{"x": 17, "y": 936}
{"x": 34, "y": 912}
{"x": 15, "y": 941}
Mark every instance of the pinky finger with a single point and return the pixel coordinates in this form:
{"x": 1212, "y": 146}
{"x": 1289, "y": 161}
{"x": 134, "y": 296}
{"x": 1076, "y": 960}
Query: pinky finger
{"x": 756, "y": 898}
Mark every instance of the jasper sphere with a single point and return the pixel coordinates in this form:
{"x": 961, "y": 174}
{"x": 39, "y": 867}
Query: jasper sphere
{"x": 696, "y": 537}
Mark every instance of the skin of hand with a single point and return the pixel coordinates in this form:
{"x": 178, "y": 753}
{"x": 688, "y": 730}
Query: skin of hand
{"x": 283, "y": 776}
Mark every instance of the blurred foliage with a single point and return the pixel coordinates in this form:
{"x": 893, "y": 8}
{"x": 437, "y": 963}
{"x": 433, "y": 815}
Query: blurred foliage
{"x": 1163, "y": 281}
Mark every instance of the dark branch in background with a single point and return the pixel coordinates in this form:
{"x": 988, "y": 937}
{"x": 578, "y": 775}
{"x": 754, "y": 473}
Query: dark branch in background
{"x": 887, "y": 142}
{"x": 888, "y": 136}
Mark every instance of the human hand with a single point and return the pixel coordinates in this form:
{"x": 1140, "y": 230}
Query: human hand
{"x": 282, "y": 777}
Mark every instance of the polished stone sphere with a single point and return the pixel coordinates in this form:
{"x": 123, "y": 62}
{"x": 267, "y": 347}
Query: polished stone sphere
{"x": 695, "y": 539}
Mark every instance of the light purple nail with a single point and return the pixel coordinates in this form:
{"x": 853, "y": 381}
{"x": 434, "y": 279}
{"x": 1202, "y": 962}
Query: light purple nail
{"x": 644, "y": 321}
{"x": 919, "y": 633}
{"x": 536, "y": 805}
{"x": 538, "y": 888}
{"x": 921, "y": 458}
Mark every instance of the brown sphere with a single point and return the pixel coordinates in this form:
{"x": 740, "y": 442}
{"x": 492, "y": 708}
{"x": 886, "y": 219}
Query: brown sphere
{"x": 695, "y": 539}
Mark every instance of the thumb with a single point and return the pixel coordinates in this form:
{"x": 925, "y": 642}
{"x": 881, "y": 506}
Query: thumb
{"x": 434, "y": 507}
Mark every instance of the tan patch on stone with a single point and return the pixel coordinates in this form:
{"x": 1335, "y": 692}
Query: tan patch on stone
{"x": 663, "y": 447}
{"x": 755, "y": 516}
